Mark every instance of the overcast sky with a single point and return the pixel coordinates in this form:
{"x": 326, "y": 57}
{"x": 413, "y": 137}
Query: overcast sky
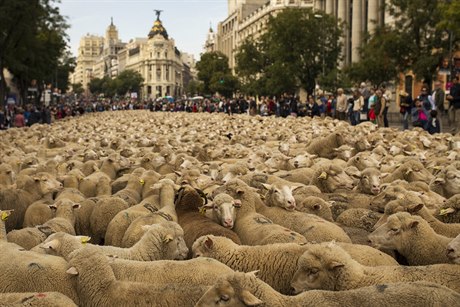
{"x": 187, "y": 21}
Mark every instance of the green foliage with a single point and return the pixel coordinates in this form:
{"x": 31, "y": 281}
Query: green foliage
{"x": 32, "y": 40}
{"x": 212, "y": 67}
{"x": 194, "y": 88}
{"x": 450, "y": 18}
{"x": 127, "y": 81}
{"x": 77, "y": 88}
{"x": 290, "y": 54}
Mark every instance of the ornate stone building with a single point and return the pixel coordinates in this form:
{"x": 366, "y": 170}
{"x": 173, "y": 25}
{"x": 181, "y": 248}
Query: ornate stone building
{"x": 89, "y": 51}
{"x": 164, "y": 68}
{"x": 249, "y": 17}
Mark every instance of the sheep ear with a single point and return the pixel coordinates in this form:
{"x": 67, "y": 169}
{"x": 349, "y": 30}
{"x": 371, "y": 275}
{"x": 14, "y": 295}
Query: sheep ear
{"x": 267, "y": 186}
{"x": 413, "y": 224}
{"x": 335, "y": 265}
{"x": 446, "y": 211}
{"x": 330, "y": 203}
{"x": 323, "y": 176}
{"x": 52, "y": 207}
{"x": 415, "y": 209}
{"x": 208, "y": 243}
{"x": 50, "y": 245}
{"x": 249, "y": 299}
{"x": 237, "y": 203}
{"x": 156, "y": 186}
{"x": 295, "y": 187}
{"x": 317, "y": 206}
{"x": 240, "y": 191}
{"x": 72, "y": 271}
{"x": 167, "y": 238}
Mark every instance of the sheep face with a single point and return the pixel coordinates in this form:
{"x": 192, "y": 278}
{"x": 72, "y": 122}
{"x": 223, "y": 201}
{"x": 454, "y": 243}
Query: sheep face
{"x": 317, "y": 206}
{"x": 370, "y": 181}
{"x": 7, "y": 175}
{"x": 453, "y": 250}
{"x": 279, "y": 162}
{"x": 450, "y": 210}
{"x": 46, "y": 183}
{"x": 452, "y": 181}
{"x": 300, "y": 161}
{"x": 229, "y": 291}
{"x": 173, "y": 241}
{"x": 225, "y": 209}
{"x": 390, "y": 193}
{"x": 416, "y": 172}
{"x": 317, "y": 268}
{"x": 336, "y": 179}
{"x": 280, "y": 196}
{"x": 393, "y": 233}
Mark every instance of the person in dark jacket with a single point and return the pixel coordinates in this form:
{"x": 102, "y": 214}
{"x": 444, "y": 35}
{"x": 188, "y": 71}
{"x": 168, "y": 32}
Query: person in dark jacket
{"x": 434, "y": 126}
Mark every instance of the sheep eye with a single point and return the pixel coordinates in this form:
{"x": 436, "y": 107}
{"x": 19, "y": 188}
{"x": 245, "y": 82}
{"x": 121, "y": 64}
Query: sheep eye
{"x": 224, "y": 297}
{"x": 313, "y": 271}
{"x": 394, "y": 229}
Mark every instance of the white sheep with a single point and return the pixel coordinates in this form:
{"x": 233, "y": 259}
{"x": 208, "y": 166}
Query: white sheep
{"x": 245, "y": 289}
{"x": 160, "y": 241}
{"x": 413, "y": 238}
{"x": 64, "y": 221}
{"x": 37, "y": 299}
{"x": 327, "y": 266}
{"x": 97, "y": 285}
{"x": 276, "y": 262}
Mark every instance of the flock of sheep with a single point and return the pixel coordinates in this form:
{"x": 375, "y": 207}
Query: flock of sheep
{"x": 168, "y": 209}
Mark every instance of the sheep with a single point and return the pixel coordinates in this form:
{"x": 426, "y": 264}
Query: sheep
{"x": 7, "y": 175}
{"x": 453, "y": 250}
{"x": 410, "y": 171}
{"x": 379, "y": 202}
{"x": 160, "y": 241}
{"x": 118, "y": 225}
{"x": 38, "y": 212}
{"x": 450, "y": 210}
{"x": 223, "y": 208}
{"x": 26, "y": 271}
{"x": 359, "y": 218}
{"x": 64, "y": 221}
{"x": 254, "y": 228}
{"x": 279, "y": 162}
{"x": 194, "y": 223}
{"x": 323, "y": 147}
{"x": 363, "y": 160}
{"x": 105, "y": 209}
{"x": 447, "y": 182}
{"x": 245, "y": 289}
{"x": 330, "y": 178}
{"x": 329, "y": 267}
{"x": 315, "y": 205}
{"x": 276, "y": 262}
{"x": 97, "y": 285}
{"x": 34, "y": 189}
{"x": 280, "y": 195}
{"x": 447, "y": 230}
{"x": 369, "y": 181}
{"x": 132, "y": 192}
{"x": 312, "y": 227}
{"x": 43, "y": 299}
{"x": 413, "y": 238}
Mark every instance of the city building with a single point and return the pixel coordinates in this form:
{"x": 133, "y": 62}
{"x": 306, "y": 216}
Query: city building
{"x": 166, "y": 70}
{"x": 210, "y": 44}
{"x": 249, "y": 18}
{"x": 89, "y": 51}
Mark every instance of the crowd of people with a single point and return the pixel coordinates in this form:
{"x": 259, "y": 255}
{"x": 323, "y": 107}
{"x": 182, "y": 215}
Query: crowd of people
{"x": 363, "y": 103}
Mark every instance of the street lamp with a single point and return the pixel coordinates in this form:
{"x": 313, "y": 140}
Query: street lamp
{"x": 319, "y": 16}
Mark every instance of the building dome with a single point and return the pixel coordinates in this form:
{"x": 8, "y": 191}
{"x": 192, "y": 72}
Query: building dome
{"x": 158, "y": 29}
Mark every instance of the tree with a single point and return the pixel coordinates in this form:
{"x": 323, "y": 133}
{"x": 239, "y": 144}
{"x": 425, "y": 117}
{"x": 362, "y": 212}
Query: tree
{"x": 212, "y": 67}
{"x": 450, "y": 18}
{"x": 128, "y": 81}
{"x": 194, "y": 88}
{"x": 32, "y": 40}
{"x": 291, "y": 53}
{"x": 77, "y": 88}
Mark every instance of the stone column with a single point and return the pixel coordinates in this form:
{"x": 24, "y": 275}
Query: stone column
{"x": 330, "y": 6}
{"x": 356, "y": 30}
{"x": 342, "y": 15}
{"x": 373, "y": 15}
{"x": 318, "y": 5}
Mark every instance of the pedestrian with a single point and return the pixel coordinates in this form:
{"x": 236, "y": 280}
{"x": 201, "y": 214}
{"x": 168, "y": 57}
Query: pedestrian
{"x": 358, "y": 105}
{"x": 379, "y": 108}
{"x": 405, "y": 107}
{"x": 454, "y": 105}
{"x": 419, "y": 115}
{"x": 387, "y": 95}
{"x": 341, "y": 105}
{"x": 19, "y": 120}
